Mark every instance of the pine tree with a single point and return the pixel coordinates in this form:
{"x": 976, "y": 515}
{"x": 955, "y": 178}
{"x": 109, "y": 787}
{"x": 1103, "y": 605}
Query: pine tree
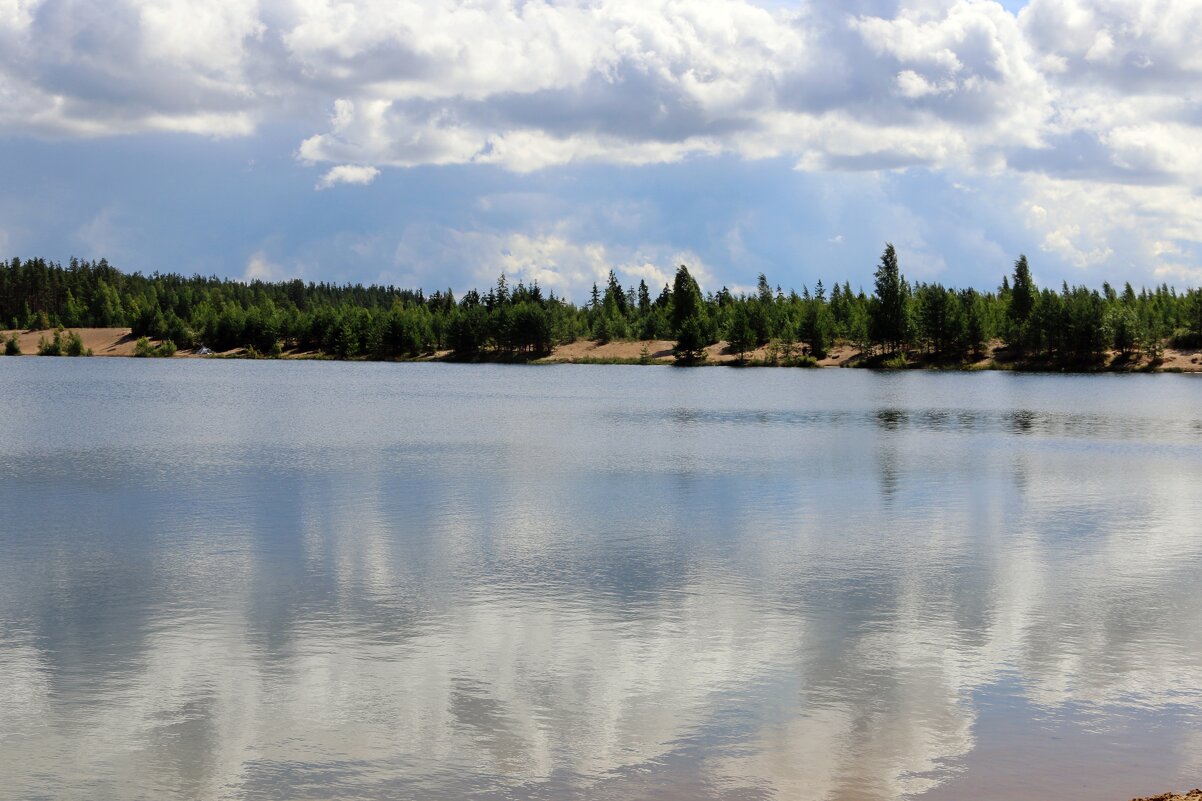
{"x": 1022, "y": 303}
{"x": 644, "y": 298}
{"x": 690, "y": 322}
{"x": 740, "y": 335}
{"x": 889, "y": 321}
{"x": 614, "y": 294}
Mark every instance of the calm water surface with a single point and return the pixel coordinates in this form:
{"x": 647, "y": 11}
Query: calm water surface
{"x": 225, "y": 580}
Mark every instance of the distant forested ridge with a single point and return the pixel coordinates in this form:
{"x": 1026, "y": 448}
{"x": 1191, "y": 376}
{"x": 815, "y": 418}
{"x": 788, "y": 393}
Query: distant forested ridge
{"x": 1065, "y": 324}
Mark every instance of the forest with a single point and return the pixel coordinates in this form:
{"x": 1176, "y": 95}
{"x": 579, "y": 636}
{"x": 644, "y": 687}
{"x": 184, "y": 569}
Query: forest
{"x": 896, "y": 320}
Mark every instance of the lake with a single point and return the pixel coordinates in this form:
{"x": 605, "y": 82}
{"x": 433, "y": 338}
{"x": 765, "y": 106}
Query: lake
{"x": 314, "y": 580}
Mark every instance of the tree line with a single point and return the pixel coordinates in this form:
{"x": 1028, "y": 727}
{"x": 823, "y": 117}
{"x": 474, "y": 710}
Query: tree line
{"x": 1065, "y": 324}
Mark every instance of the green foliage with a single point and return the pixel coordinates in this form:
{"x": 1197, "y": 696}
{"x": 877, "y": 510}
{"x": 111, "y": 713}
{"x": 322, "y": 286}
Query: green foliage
{"x": 940, "y": 322}
{"x": 1186, "y": 340}
{"x": 51, "y": 347}
{"x": 610, "y": 324}
{"x": 889, "y": 323}
{"x": 740, "y": 336}
{"x": 530, "y": 329}
{"x": 1123, "y": 327}
{"x": 1084, "y": 324}
{"x": 687, "y": 303}
{"x": 974, "y": 328}
{"x": 1153, "y": 346}
{"x": 859, "y": 327}
{"x": 73, "y": 345}
{"x": 409, "y": 331}
{"x": 690, "y": 341}
{"x": 12, "y": 345}
{"x": 1022, "y": 300}
{"x": 1193, "y": 312}
{"x": 820, "y": 330}
{"x": 63, "y": 343}
{"x": 787, "y": 352}
{"x": 143, "y": 348}
{"x": 1040, "y": 326}
{"x": 692, "y": 325}
{"x": 469, "y": 331}
{"x": 1022, "y": 296}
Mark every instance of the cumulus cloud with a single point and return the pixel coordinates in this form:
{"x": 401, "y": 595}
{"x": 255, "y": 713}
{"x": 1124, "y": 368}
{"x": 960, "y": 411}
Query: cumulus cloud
{"x": 960, "y": 83}
{"x": 553, "y": 257}
{"x": 82, "y": 67}
{"x": 558, "y": 257}
{"x": 1103, "y": 92}
{"x": 348, "y": 174}
{"x": 260, "y": 268}
{"x": 551, "y": 260}
{"x": 1088, "y": 223}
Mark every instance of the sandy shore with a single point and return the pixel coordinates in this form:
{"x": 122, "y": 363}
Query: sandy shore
{"x": 660, "y": 351}
{"x": 121, "y": 342}
{"x": 102, "y": 341}
{"x": 1187, "y": 361}
{"x": 1192, "y": 795}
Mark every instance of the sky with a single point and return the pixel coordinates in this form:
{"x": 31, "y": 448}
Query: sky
{"x": 433, "y": 144}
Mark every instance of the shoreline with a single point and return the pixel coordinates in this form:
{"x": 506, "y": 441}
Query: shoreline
{"x": 120, "y": 342}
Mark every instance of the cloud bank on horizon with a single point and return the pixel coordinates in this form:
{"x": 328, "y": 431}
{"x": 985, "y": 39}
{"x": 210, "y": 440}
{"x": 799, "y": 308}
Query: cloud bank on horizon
{"x": 962, "y": 129}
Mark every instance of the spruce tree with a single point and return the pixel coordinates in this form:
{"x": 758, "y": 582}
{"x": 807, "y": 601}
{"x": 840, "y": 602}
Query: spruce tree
{"x": 690, "y": 322}
{"x": 1022, "y": 303}
{"x": 888, "y": 314}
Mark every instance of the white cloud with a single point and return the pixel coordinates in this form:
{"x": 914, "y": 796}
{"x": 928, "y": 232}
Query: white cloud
{"x": 1088, "y": 224}
{"x": 912, "y": 85}
{"x": 260, "y": 268}
{"x": 551, "y": 260}
{"x": 210, "y": 36}
{"x": 655, "y": 275}
{"x": 551, "y": 257}
{"x": 638, "y": 82}
{"x": 348, "y": 174}
{"x": 1103, "y": 92}
{"x": 558, "y": 257}
{"x": 956, "y": 83}
{"x": 16, "y": 15}
{"x": 86, "y": 68}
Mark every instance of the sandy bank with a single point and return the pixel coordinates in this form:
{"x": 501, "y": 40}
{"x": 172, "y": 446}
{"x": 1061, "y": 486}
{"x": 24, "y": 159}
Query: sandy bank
{"x": 660, "y": 351}
{"x": 102, "y": 341}
{"x": 1192, "y": 795}
{"x": 121, "y": 342}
